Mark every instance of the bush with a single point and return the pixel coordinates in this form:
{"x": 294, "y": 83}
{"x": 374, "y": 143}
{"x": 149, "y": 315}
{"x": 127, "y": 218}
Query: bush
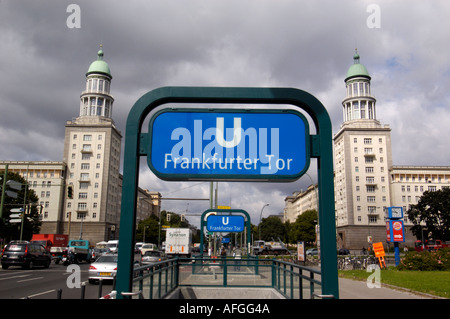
{"x": 426, "y": 260}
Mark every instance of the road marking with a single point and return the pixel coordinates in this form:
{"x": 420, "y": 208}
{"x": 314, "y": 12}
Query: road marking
{"x": 40, "y": 293}
{"x": 19, "y": 276}
{"x": 37, "y": 278}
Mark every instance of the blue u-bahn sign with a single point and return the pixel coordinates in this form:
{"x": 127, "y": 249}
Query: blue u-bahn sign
{"x": 230, "y": 144}
{"x": 225, "y": 223}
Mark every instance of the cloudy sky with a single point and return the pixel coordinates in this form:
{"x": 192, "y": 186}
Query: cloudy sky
{"x": 47, "y": 46}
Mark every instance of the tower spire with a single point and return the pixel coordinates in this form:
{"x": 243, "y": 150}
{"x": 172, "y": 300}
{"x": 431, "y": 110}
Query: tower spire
{"x": 359, "y": 104}
{"x": 96, "y": 100}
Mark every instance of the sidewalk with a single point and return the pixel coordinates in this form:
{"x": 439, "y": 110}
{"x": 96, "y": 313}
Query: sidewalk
{"x": 353, "y": 289}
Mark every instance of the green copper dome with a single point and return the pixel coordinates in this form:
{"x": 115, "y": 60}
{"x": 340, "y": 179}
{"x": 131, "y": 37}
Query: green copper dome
{"x": 357, "y": 69}
{"x": 99, "y": 66}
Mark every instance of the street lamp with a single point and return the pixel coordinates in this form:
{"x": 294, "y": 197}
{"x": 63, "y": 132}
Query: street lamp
{"x": 260, "y": 215}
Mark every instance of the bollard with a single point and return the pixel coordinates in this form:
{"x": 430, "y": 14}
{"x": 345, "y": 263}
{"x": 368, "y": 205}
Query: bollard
{"x": 100, "y": 286}
{"x": 59, "y": 293}
{"x": 83, "y": 290}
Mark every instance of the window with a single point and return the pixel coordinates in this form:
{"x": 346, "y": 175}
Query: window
{"x": 371, "y": 209}
{"x": 369, "y": 169}
{"x": 82, "y": 195}
{"x": 367, "y": 141}
{"x": 85, "y": 166}
{"x": 371, "y": 199}
{"x": 87, "y": 137}
{"x": 82, "y": 206}
{"x": 372, "y": 219}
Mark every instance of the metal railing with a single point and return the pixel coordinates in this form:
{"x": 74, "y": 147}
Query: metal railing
{"x": 293, "y": 281}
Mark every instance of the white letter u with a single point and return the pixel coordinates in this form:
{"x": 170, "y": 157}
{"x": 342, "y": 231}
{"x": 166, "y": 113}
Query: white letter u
{"x": 220, "y": 133}
{"x": 227, "y": 219}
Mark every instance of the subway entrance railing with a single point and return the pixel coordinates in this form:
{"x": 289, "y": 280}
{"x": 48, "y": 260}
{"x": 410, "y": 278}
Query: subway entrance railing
{"x": 291, "y": 280}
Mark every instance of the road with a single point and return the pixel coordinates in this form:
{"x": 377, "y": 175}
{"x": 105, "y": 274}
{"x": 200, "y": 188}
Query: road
{"x": 41, "y": 283}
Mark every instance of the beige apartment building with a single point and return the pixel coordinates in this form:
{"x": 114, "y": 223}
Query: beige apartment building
{"x": 90, "y": 169}
{"x": 300, "y": 202}
{"x": 47, "y": 179}
{"x": 366, "y": 181}
{"x": 409, "y": 182}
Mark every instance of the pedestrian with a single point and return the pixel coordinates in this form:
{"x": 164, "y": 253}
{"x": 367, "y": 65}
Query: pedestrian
{"x": 237, "y": 254}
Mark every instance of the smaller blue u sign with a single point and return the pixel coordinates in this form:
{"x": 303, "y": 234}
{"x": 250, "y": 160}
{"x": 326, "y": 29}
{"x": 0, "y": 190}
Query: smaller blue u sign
{"x": 225, "y": 223}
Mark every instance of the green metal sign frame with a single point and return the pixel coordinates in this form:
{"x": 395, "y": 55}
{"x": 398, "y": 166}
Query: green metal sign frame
{"x": 223, "y": 212}
{"x": 321, "y": 148}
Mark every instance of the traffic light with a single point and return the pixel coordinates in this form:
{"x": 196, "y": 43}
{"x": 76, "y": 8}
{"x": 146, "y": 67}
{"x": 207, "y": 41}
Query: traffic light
{"x": 168, "y": 217}
{"x": 70, "y": 192}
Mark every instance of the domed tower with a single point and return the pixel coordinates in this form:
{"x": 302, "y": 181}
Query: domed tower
{"x": 92, "y": 147}
{"x": 362, "y": 161}
{"x": 359, "y": 104}
{"x": 96, "y": 100}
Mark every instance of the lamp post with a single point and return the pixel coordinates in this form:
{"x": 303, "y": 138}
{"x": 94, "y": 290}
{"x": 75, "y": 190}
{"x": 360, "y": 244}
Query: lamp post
{"x": 260, "y": 216}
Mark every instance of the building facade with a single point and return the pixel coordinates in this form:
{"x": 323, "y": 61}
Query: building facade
{"x": 366, "y": 181}
{"x": 300, "y": 202}
{"x": 81, "y": 196}
{"x": 47, "y": 179}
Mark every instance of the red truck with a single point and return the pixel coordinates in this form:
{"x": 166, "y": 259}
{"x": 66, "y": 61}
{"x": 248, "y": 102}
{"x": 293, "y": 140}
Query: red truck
{"x": 56, "y": 244}
{"x": 431, "y": 244}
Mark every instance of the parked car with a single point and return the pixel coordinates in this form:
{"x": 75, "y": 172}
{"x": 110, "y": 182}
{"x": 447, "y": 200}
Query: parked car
{"x": 151, "y": 257}
{"x": 344, "y": 251}
{"x": 312, "y": 252}
{"x": 97, "y": 252}
{"x": 25, "y": 254}
{"x": 105, "y": 267}
{"x": 148, "y": 247}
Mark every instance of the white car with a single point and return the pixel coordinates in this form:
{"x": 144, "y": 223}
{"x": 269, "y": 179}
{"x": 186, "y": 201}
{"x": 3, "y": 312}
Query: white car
{"x": 148, "y": 247}
{"x": 105, "y": 267}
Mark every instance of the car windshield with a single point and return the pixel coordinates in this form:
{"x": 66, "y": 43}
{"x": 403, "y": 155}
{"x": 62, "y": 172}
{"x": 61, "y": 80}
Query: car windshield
{"x": 15, "y": 247}
{"x": 152, "y": 253}
{"x": 107, "y": 259}
{"x": 77, "y": 243}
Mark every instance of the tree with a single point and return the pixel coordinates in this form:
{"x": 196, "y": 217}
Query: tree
{"x": 32, "y": 221}
{"x": 272, "y": 228}
{"x": 152, "y": 228}
{"x": 433, "y": 209}
{"x": 304, "y": 227}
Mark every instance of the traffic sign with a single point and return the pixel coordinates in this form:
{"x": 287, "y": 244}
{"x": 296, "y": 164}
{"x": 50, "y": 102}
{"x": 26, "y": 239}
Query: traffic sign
{"x": 14, "y": 185}
{"x": 15, "y": 216}
{"x": 228, "y": 144}
{"x": 225, "y": 223}
{"x": 11, "y": 194}
{"x": 15, "y": 221}
{"x": 16, "y": 210}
